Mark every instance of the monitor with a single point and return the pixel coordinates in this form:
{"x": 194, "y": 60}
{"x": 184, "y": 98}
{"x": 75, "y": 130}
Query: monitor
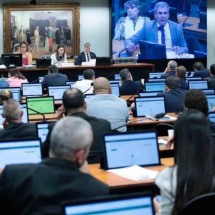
{"x": 131, "y": 148}
{"x": 115, "y": 89}
{"x": 20, "y": 151}
{"x": 146, "y": 94}
{"x": 41, "y": 105}
{"x": 197, "y": 84}
{"x": 155, "y": 86}
{"x": 155, "y": 75}
{"x": 43, "y": 62}
{"x": 211, "y": 102}
{"x": 29, "y": 89}
{"x": 121, "y": 204}
{"x": 57, "y": 91}
{"x": 14, "y": 60}
{"x": 16, "y": 91}
{"x": 42, "y": 130}
{"x": 149, "y": 106}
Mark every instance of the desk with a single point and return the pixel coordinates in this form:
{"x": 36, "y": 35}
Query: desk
{"x": 39, "y": 118}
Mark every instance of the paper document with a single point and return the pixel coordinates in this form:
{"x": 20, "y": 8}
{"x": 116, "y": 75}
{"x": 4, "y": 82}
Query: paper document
{"x": 135, "y": 173}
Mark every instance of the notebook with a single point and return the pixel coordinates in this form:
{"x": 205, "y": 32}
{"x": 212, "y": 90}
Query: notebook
{"x": 16, "y": 91}
{"x": 115, "y": 88}
{"x": 197, "y": 84}
{"x": 42, "y": 105}
{"x": 20, "y": 151}
{"x": 24, "y": 116}
{"x": 42, "y": 130}
{"x": 131, "y": 148}
{"x": 121, "y": 204}
{"x": 32, "y": 89}
{"x": 155, "y": 86}
{"x": 149, "y": 106}
{"x": 57, "y": 91}
{"x": 155, "y": 75}
{"x": 211, "y": 102}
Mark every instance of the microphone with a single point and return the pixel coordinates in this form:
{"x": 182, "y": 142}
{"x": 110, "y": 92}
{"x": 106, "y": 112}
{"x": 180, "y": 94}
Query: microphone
{"x": 159, "y": 115}
{"x": 44, "y": 119}
{"x": 88, "y": 88}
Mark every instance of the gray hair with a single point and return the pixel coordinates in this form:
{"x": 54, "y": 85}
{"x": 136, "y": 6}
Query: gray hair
{"x": 161, "y": 4}
{"x": 172, "y": 65}
{"x": 69, "y": 135}
{"x": 11, "y": 110}
{"x": 87, "y": 44}
{"x": 124, "y": 74}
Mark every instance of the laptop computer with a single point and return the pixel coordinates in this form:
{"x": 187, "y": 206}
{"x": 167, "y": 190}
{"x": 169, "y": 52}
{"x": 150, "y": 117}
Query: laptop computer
{"x": 71, "y": 83}
{"x": 43, "y": 62}
{"x": 121, "y": 204}
{"x": 199, "y": 84}
{"x": 131, "y": 148}
{"x": 20, "y": 151}
{"x": 117, "y": 77}
{"x": 192, "y": 78}
{"x": 211, "y": 102}
{"x": 32, "y": 89}
{"x": 40, "y": 105}
{"x": 146, "y": 94}
{"x": 155, "y": 86}
{"x": 42, "y": 130}
{"x": 149, "y": 106}
{"x": 16, "y": 91}
{"x": 155, "y": 80}
{"x": 57, "y": 91}
{"x": 115, "y": 88}
{"x": 155, "y": 75}
{"x": 80, "y": 77}
{"x": 208, "y": 91}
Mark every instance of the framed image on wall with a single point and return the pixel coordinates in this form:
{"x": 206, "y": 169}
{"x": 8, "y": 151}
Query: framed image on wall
{"x": 43, "y": 27}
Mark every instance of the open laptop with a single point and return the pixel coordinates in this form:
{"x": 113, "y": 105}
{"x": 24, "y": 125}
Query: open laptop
{"x": 211, "y": 102}
{"x": 121, "y": 204}
{"x": 16, "y": 91}
{"x": 155, "y": 75}
{"x": 197, "y": 84}
{"x": 147, "y": 94}
{"x": 155, "y": 80}
{"x": 193, "y": 79}
{"x": 32, "y": 89}
{"x": 42, "y": 130}
{"x": 208, "y": 91}
{"x": 57, "y": 91}
{"x": 20, "y": 151}
{"x": 117, "y": 77}
{"x": 115, "y": 88}
{"x": 43, "y": 62}
{"x": 40, "y": 105}
{"x": 71, "y": 83}
{"x": 155, "y": 86}
{"x": 131, "y": 148}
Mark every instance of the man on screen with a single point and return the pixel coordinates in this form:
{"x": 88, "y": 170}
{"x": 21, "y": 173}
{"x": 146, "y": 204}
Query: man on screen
{"x": 161, "y": 31}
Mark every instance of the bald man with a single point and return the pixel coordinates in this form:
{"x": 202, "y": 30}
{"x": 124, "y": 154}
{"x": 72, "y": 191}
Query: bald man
{"x": 108, "y": 106}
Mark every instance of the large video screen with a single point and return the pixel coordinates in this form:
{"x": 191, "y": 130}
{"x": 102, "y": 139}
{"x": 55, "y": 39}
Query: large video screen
{"x": 151, "y": 29}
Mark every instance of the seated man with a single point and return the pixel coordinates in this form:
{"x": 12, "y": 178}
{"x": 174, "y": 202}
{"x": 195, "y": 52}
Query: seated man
{"x": 129, "y": 87}
{"x": 200, "y": 70}
{"x": 174, "y": 95}
{"x": 40, "y": 188}
{"x": 211, "y": 79}
{"x": 54, "y": 77}
{"x": 14, "y": 128}
{"x": 86, "y": 55}
{"x": 170, "y": 69}
{"x": 161, "y": 31}
{"x": 85, "y": 85}
{"x": 108, "y": 106}
{"x": 181, "y": 74}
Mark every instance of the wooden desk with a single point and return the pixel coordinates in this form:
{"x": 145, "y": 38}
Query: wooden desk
{"x": 39, "y": 118}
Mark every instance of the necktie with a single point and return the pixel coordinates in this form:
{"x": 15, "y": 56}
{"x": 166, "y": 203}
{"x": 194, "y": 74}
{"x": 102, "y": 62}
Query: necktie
{"x": 88, "y": 57}
{"x": 161, "y": 28}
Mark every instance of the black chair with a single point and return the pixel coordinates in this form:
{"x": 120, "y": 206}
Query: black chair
{"x": 192, "y": 44}
{"x": 162, "y": 128}
{"x": 200, "y": 204}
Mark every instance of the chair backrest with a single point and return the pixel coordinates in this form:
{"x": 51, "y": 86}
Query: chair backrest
{"x": 162, "y": 128}
{"x": 200, "y": 203}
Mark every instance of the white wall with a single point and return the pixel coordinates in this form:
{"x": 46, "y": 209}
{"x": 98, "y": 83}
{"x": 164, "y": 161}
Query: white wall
{"x": 94, "y": 23}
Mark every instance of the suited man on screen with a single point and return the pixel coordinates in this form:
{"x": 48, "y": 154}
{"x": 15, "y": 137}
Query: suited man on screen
{"x": 86, "y": 55}
{"x": 161, "y": 31}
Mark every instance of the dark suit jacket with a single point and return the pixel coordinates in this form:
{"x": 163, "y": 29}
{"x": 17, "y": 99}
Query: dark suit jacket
{"x": 130, "y": 87}
{"x": 168, "y": 74}
{"x": 54, "y": 79}
{"x": 82, "y": 58}
{"x": 34, "y": 188}
{"x": 174, "y": 100}
{"x": 19, "y": 131}
{"x": 211, "y": 82}
{"x": 202, "y": 73}
{"x": 99, "y": 127}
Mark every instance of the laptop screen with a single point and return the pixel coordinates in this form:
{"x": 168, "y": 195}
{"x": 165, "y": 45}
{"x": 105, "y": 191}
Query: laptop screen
{"x": 131, "y": 148}
{"x": 57, "y": 91}
{"x": 201, "y": 84}
{"x": 155, "y": 80}
{"x": 71, "y": 83}
{"x": 155, "y": 86}
{"x": 24, "y": 116}
{"x": 20, "y": 151}
{"x": 155, "y": 75}
{"x": 117, "y": 77}
{"x": 115, "y": 204}
{"x": 149, "y": 106}
{"x": 193, "y": 78}
{"x": 40, "y": 104}
{"x": 146, "y": 94}
{"x": 42, "y": 130}
{"x": 32, "y": 89}
{"x": 115, "y": 88}
{"x": 208, "y": 91}
{"x": 211, "y": 102}
{"x": 16, "y": 91}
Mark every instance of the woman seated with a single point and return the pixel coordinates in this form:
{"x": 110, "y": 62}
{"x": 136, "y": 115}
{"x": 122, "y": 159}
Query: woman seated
{"x": 26, "y": 56}
{"x": 59, "y": 56}
{"x": 16, "y": 78}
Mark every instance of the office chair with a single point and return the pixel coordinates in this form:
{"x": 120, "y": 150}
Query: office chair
{"x": 192, "y": 44}
{"x": 162, "y": 128}
{"x": 200, "y": 203}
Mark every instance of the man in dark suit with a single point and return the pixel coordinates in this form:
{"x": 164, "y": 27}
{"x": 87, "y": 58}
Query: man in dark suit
{"x": 211, "y": 79}
{"x": 170, "y": 69}
{"x": 200, "y": 70}
{"x": 14, "y": 128}
{"x": 40, "y": 188}
{"x": 174, "y": 95}
{"x": 54, "y": 77}
{"x": 74, "y": 105}
{"x": 86, "y": 55}
{"x": 129, "y": 87}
